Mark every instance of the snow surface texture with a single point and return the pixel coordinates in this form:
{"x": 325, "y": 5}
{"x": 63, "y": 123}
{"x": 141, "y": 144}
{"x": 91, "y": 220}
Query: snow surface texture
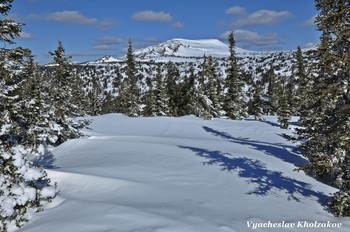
{"x": 181, "y": 174}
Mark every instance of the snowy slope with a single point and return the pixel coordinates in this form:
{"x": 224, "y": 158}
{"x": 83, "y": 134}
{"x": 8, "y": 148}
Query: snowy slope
{"x": 186, "y": 48}
{"x": 181, "y": 174}
{"x": 181, "y": 50}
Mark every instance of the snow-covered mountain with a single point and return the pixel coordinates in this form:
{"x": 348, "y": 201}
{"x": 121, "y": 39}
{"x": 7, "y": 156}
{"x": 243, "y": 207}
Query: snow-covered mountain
{"x": 187, "y": 48}
{"x": 192, "y": 51}
{"x": 183, "y": 48}
{"x": 109, "y": 70}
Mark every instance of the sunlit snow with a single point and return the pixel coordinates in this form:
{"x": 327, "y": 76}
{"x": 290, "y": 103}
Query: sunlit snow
{"x": 180, "y": 174}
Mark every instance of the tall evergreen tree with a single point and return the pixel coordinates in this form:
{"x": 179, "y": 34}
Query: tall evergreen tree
{"x": 328, "y": 124}
{"x": 304, "y": 85}
{"x": 187, "y": 95}
{"x": 257, "y": 102}
{"x": 21, "y": 183}
{"x": 272, "y": 90}
{"x": 172, "y": 87}
{"x": 284, "y": 112}
{"x": 160, "y": 93}
{"x": 234, "y": 104}
{"x": 211, "y": 87}
{"x": 131, "y": 95}
{"x": 62, "y": 107}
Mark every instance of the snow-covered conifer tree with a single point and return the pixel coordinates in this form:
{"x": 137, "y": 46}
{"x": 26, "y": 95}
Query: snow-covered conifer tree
{"x": 234, "y": 104}
{"x": 23, "y": 187}
{"x": 327, "y": 124}
{"x": 131, "y": 94}
{"x": 160, "y": 94}
{"x": 172, "y": 77}
{"x": 211, "y": 87}
{"x": 284, "y": 112}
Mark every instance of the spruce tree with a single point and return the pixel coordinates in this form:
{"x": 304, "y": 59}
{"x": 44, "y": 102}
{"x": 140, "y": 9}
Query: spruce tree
{"x": 160, "y": 94}
{"x": 272, "y": 90}
{"x": 234, "y": 104}
{"x": 62, "y": 106}
{"x": 284, "y": 112}
{"x": 257, "y": 102}
{"x": 172, "y": 78}
{"x": 150, "y": 109}
{"x": 21, "y": 184}
{"x": 211, "y": 88}
{"x": 304, "y": 85}
{"x": 187, "y": 95}
{"x": 131, "y": 94}
{"x": 95, "y": 97}
{"x": 327, "y": 124}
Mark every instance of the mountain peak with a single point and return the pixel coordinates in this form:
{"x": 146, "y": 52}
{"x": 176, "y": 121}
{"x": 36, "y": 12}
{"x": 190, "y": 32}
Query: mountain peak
{"x": 107, "y": 59}
{"x": 187, "y": 48}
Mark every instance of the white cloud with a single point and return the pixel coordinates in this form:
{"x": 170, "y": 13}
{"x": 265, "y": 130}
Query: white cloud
{"x": 110, "y": 40}
{"x": 152, "y": 40}
{"x": 310, "y": 22}
{"x": 309, "y": 45}
{"x": 152, "y": 16}
{"x": 25, "y": 35}
{"x": 263, "y": 17}
{"x": 235, "y": 10}
{"x": 108, "y": 43}
{"x": 103, "y": 47}
{"x": 108, "y": 24}
{"x": 253, "y": 39}
{"x": 71, "y": 17}
{"x": 75, "y": 17}
{"x": 177, "y": 25}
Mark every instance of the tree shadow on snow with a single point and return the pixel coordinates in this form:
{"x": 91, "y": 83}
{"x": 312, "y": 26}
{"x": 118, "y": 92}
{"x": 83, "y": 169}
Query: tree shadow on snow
{"x": 46, "y": 160}
{"x": 272, "y": 149}
{"x": 257, "y": 173}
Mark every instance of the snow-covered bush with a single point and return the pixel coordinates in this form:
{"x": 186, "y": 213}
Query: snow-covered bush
{"x": 24, "y": 189}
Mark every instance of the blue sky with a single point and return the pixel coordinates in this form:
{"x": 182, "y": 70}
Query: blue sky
{"x": 90, "y": 29}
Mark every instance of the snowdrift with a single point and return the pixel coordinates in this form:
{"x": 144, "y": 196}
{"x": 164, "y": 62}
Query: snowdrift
{"x": 185, "y": 175}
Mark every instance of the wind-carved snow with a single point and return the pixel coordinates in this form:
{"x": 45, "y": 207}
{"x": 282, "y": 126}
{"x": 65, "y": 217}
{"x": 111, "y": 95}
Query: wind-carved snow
{"x": 180, "y": 174}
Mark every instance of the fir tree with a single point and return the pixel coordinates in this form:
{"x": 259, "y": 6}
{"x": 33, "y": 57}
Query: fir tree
{"x": 62, "y": 107}
{"x": 188, "y": 96}
{"x": 327, "y": 124}
{"x": 284, "y": 113}
{"x": 211, "y": 87}
{"x": 131, "y": 95}
{"x": 95, "y": 98}
{"x": 150, "y": 103}
{"x": 257, "y": 103}
{"x": 18, "y": 177}
{"x": 272, "y": 90}
{"x": 304, "y": 85}
{"x": 172, "y": 87}
{"x": 160, "y": 94}
{"x": 234, "y": 104}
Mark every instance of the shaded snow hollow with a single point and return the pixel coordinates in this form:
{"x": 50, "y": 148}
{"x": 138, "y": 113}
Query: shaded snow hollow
{"x": 181, "y": 175}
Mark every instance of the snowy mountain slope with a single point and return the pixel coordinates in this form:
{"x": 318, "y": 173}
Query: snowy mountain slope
{"x": 109, "y": 71}
{"x": 186, "y": 53}
{"x": 181, "y": 174}
{"x": 185, "y": 48}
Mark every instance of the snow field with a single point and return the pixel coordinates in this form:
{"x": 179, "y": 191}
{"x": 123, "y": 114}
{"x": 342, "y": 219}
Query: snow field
{"x": 180, "y": 174}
